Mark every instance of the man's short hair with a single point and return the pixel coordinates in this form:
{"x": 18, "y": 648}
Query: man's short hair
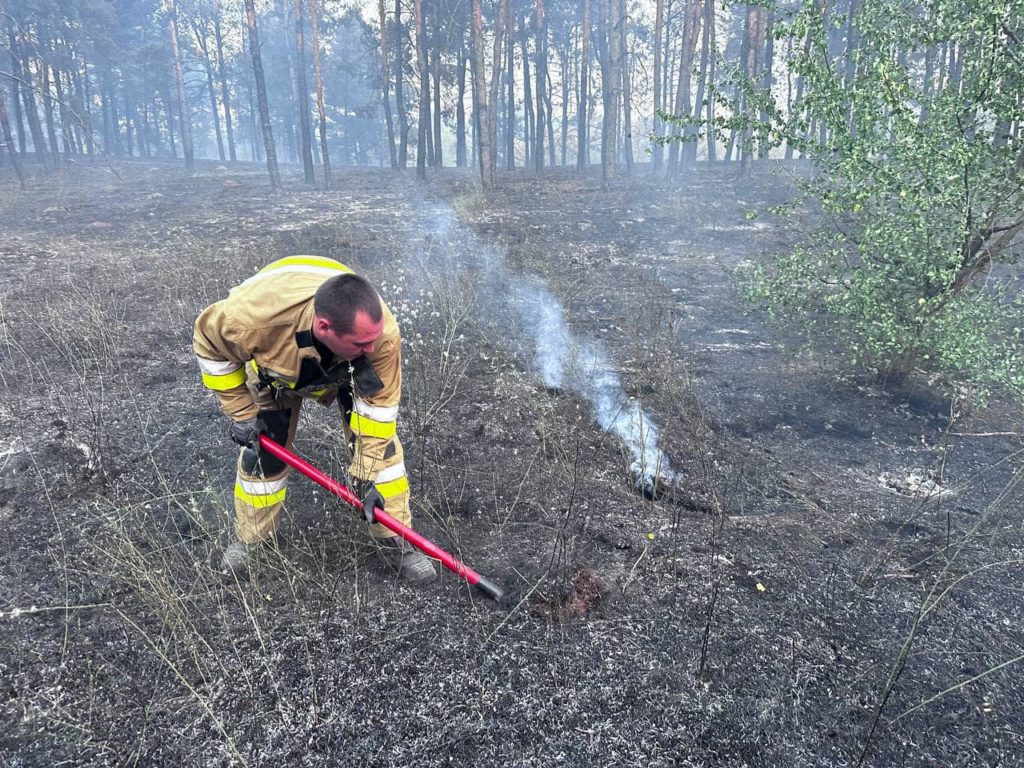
{"x": 342, "y": 296}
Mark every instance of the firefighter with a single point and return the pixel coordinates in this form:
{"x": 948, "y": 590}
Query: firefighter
{"x": 308, "y": 328}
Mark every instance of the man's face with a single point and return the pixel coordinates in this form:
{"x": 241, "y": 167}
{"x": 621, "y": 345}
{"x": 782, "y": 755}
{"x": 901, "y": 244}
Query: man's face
{"x": 348, "y": 346}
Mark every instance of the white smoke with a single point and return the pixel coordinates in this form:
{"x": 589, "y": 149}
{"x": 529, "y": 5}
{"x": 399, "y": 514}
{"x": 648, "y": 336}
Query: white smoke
{"x": 562, "y": 360}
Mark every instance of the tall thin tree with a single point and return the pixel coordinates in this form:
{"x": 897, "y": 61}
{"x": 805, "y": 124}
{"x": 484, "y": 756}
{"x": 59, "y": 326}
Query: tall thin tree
{"x": 318, "y": 84}
{"x": 261, "y": 94}
{"x": 184, "y": 124}
{"x": 302, "y": 92}
{"x": 423, "y": 123}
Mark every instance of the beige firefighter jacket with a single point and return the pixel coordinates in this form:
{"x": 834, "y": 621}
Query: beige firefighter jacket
{"x": 266, "y": 323}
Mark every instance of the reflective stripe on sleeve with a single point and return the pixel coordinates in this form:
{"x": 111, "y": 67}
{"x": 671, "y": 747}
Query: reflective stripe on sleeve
{"x": 260, "y": 501}
{"x": 364, "y": 425}
{"x": 225, "y": 382}
{"x": 217, "y": 367}
{"x": 375, "y": 412}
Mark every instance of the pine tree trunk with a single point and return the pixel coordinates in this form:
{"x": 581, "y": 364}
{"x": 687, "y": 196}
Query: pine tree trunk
{"x": 423, "y": 123}
{"x": 261, "y": 94}
{"x": 492, "y": 106}
{"x": 385, "y": 76}
{"x": 200, "y": 33}
{"x": 47, "y": 96}
{"x": 32, "y": 114}
{"x": 302, "y": 102}
{"x": 318, "y": 85}
{"x": 510, "y": 83}
{"x": 658, "y": 150}
{"x": 582, "y": 116}
{"x": 767, "y": 73}
{"x": 225, "y": 103}
{"x": 19, "y": 124}
{"x": 403, "y": 119}
{"x": 483, "y": 130}
{"x": 529, "y": 116}
{"x": 627, "y": 91}
{"x": 179, "y": 72}
{"x": 566, "y": 78}
{"x": 541, "y": 71}
{"x": 8, "y": 140}
{"x": 460, "y": 105}
{"x": 436, "y": 112}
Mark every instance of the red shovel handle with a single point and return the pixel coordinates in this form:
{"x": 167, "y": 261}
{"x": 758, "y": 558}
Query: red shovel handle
{"x": 426, "y": 546}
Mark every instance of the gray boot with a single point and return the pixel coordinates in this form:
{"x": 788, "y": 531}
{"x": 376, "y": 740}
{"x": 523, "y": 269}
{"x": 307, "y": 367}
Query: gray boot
{"x": 411, "y": 564}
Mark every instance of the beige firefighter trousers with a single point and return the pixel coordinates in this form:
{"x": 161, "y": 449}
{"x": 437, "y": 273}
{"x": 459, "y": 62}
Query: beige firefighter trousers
{"x": 260, "y": 497}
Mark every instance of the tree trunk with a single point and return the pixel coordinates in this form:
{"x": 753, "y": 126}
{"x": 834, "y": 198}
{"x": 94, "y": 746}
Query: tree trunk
{"x": 255, "y": 152}
{"x": 32, "y": 115}
{"x": 302, "y": 103}
{"x": 261, "y": 94}
{"x": 510, "y": 82}
{"x": 529, "y": 117}
{"x": 47, "y": 96}
{"x": 627, "y": 91}
{"x": 703, "y": 81}
{"x": 610, "y": 59}
{"x": 658, "y": 150}
{"x": 179, "y": 72}
{"x": 436, "y": 112}
{"x": 225, "y": 103}
{"x": 403, "y": 119}
{"x": 423, "y": 123}
{"x": 200, "y": 34}
{"x": 753, "y": 38}
{"x": 385, "y": 76}
{"x": 318, "y": 84}
{"x": 483, "y": 128}
{"x": 8, "y": 140}
{"x": 129, "y": 124}
{"x": 565, "y": 76}
{"x": 492, "y": 106}
{"x": 582, "y": 117}
{"x": 767, "y": 75}
{"x": 16, "y": 87}
{"x": 460, "y": 105}
{"x": 684, "y": 105}
{"x": 541, "y": 71}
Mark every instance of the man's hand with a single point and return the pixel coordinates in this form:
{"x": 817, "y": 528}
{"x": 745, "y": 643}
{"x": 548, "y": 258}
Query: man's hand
{"x": 247, "y": 433}
{"x": 372, "y": 500}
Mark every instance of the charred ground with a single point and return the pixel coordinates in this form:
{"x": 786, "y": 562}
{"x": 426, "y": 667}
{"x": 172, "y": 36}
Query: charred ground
{"x": 837, "y": 544}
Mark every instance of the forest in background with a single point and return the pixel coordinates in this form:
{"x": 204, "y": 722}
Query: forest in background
{"x": 413, "y": 81}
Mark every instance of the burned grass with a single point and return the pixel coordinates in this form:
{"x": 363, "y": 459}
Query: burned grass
{"x": 784, "y": 605}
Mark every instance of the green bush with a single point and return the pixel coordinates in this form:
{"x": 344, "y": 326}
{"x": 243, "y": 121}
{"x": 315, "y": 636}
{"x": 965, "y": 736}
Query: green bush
{"x": 918, "y": 182}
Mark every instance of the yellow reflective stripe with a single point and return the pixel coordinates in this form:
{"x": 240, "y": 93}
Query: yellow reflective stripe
{"x": 362, "y": 425}
{"x": 225, "y": 382}
{"x": 307, "y": 261}
{"x": 260, "y": 501}
{"x": 393, "y": 488}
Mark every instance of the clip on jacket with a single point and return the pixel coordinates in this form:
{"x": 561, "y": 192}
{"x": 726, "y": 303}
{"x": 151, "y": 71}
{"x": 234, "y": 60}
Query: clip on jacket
{"x": 426, "y": 546}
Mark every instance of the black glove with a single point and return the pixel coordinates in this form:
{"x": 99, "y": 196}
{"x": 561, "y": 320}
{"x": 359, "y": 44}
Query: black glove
{"x": 247, "y": 433}
{"x": 372, "y": 500}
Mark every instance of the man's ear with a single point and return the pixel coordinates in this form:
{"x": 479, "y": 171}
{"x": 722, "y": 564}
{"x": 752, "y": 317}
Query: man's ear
{"x": 321, "y": 324}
